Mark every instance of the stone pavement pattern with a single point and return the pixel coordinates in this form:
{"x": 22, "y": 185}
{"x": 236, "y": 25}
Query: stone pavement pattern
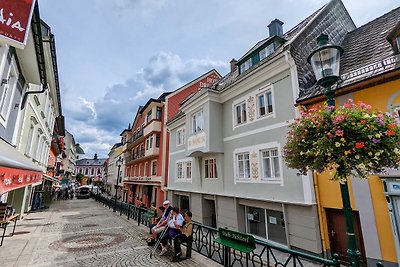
{"x": 83, "y": 233}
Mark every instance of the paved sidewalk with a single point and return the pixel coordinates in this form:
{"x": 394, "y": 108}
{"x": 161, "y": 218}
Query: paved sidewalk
{"x": 83, "y": 233}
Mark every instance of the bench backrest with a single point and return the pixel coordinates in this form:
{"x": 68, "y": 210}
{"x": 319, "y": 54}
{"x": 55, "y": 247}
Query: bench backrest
{"x": 3, "y": 211}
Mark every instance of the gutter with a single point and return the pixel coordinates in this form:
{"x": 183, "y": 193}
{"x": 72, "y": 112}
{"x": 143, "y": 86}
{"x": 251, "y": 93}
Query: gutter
{"x": 37, "y": 38}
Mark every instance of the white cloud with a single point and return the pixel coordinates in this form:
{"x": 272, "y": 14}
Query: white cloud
{"x": 97, "y": 125}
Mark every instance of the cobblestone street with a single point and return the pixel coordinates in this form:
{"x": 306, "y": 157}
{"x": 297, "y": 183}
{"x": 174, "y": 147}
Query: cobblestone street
{"x": 83, "y": 233}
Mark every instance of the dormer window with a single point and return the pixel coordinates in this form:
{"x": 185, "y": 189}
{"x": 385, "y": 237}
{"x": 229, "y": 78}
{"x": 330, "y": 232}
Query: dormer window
{"x": 246, "y": 65}
{"x": 398, "y": 43}
{"x": 266, "y": 51}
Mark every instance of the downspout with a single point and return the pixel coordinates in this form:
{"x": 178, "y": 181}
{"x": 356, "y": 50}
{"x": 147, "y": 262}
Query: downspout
{"x": 322, "y": 225}
{"x": 37, "y": 38}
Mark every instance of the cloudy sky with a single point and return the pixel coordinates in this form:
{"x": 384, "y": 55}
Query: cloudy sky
{"x": 114, "y": 55}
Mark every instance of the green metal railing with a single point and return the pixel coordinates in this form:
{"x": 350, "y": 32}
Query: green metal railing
{"x": 265, "y": 254}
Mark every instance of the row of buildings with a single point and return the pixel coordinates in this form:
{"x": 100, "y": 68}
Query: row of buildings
{"x": 36, "y": 152}
{"x": 214, "y": 145}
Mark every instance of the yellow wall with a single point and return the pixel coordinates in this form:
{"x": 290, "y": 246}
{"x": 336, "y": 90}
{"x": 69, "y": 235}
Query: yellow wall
{"x": 383, "y": 97}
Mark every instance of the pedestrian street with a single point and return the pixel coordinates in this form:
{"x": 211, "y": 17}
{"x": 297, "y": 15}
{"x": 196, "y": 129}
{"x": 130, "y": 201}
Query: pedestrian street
{"x": 83, "y": 233}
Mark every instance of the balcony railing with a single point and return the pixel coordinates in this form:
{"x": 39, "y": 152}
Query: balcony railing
{"x": 135, "y": 136}
{"x": 136, "y": 155}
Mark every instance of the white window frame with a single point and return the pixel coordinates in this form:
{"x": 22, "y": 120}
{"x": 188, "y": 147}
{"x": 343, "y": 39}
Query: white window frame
{"x": 246, "y": 175}
{"x": 246, "y": 65}
{"x": 146, "y": 169}
{"x": 197, "y": 122}
{"x": 154, "y": 170}
{"x": 271, "y": 159}
{"x": 29, "y": 140}
{"x": 149, "y": 116}
{"x": 265, "y": 94}
{"x": 265, "y": 52}
{"x": 180, "y": 136}
{"x": 184, "y": 175}
{"x": 206, "y": 165}
{"x": 243, "y": 113}
{"x": 7, "y": 92}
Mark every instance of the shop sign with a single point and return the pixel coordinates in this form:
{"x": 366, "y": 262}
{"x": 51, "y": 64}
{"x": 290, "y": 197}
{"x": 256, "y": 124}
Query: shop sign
{"x": 15, "y": 20}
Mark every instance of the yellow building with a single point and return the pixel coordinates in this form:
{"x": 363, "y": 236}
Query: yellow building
{"x": 370, "y": 72}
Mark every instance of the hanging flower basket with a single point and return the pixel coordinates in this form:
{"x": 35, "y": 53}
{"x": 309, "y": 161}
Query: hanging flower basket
{"x": 351, "y": 139}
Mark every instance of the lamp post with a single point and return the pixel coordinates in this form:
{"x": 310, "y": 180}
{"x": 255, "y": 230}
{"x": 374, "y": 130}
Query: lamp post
{"x": 325, "y": 61}
{"x": 118, "y": 163}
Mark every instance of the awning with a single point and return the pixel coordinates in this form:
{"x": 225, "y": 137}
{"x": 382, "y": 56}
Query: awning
{"x": 50, "y": 178}
{"x": 16, "y": 170}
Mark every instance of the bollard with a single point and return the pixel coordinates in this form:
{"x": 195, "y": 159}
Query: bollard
{"x": 129, "y": 211}
{"x": 120, "y": 212}
{"x": 139, "y": 217}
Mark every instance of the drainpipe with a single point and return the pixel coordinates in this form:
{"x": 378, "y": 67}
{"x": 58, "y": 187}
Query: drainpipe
{"x": 37, "y": 38}
{"x": 44, "y": 87}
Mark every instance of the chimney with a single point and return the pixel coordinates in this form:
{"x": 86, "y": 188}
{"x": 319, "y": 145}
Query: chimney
{"x": 275, "y": 28}
{"x": 233, "y": 65}
{"x": 95, "y": 156}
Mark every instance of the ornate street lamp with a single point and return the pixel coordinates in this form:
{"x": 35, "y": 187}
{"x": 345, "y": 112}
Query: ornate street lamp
{"x": 118, "y": 164}
{"x": 325, "y": 61}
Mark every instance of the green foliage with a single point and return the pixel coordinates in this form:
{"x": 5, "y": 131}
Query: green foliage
{"x": 79, "y": 177}
{"x": 352, "y": 139}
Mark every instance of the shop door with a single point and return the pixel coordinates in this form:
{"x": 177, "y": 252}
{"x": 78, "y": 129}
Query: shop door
{"x": 209, "y": 216}
{"x": 276, "y": 226}
{"x": 338, "y": 237}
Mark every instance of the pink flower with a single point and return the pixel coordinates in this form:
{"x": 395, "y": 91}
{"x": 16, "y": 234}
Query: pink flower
{"x": 339, "y": 132}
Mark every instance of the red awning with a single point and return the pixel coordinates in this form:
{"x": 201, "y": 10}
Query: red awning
{"x": 11, "y": 179}
{"x": 16, "y": 170}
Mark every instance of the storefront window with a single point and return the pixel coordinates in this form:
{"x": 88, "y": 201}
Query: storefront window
{"x": 256, "y": 222}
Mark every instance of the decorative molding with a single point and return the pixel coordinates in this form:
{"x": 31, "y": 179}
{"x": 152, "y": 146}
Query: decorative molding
{"x": 250, "y": 107}
{"x": 254, "y": 165}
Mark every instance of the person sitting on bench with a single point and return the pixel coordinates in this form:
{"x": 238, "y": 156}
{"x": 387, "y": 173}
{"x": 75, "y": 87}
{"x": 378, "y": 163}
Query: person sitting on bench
{"x": 156, "y": 230}
{"x": 186, "y": 232}
{"x": 174, "y": 224}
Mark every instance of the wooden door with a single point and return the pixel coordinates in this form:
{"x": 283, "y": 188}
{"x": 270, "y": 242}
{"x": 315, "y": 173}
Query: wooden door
{"x": 338, "y": 237}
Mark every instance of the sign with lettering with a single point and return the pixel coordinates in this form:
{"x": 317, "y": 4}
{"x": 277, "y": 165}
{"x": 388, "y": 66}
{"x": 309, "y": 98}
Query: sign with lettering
{"x": 236, "y": 240}
{"x": 15, "y": 20}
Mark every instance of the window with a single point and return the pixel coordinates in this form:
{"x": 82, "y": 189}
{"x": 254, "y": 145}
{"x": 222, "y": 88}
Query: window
{"x": 154, "y": 168}
{"x": 179, "y": 170}
{"x": 158, "y": 140}
{"x": 197, "y": 122}
{"x": 243, "y": 166}
{"x": 256, "y": 222}
{"x": 266, "y": 51}
{"x": 189, "y": 170}
{"x": 149, "y": 142}
{"x": 7, "y": 89}
{"x": 270, "y": 164}
{"x": 240, "y": 112}
{"x": 139, "y": 169}
{"x": 184, "y": 170}
{"x": 86, "y": 171}
{"x": 146, "y": 167}
{"x": 180, "y": 136}
{"x": 210, "y": 168}
{"x": 148, "y": 118}
{"x": 246, "y": 65}
{"x": 264, "y": 102}
{"x": 158, "y": 113}
{"x": 29, "y": 143}
{"x": 92, "y": 172}
{"x": 98, "y": 171}
{"x": 398, "y": 43}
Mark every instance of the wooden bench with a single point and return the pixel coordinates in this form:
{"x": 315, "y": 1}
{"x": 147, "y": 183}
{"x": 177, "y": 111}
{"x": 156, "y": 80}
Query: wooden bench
{"x": 5, "y": 220}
